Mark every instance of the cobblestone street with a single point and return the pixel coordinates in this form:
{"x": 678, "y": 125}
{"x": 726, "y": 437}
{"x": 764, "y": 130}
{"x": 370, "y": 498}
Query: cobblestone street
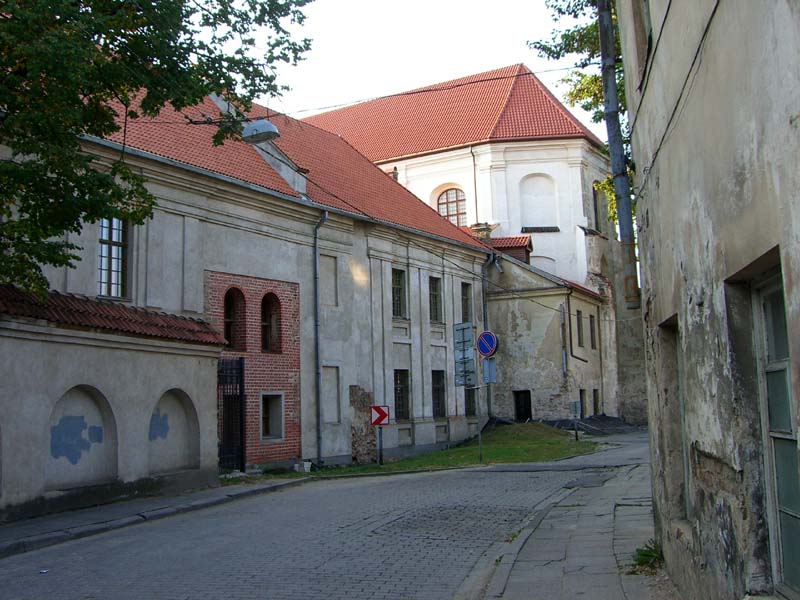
{"x": 400, "y": 537}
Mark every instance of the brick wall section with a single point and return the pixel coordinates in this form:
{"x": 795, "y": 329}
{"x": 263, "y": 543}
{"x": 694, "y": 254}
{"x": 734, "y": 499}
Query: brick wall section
{"x": 264, "y": 372}
{"x": 361, "y": 429}
{"x": 520, "y": 254}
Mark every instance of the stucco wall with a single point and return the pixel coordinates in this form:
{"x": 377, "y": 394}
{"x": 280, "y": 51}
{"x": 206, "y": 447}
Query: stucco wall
{"x": 540, "y": 353}
{"x": 520, "y": 184}
{"x": 78, "y": 409}
{"x": 715, "y": 139}
{"x": 205, "y": 225}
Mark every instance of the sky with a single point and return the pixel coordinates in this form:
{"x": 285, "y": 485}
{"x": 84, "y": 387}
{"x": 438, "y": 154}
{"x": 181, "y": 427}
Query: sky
{"x": 363, "y": 49}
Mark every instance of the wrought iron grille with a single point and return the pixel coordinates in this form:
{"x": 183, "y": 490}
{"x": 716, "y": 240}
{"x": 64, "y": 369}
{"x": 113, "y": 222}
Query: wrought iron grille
{"x": 230, "y": 393}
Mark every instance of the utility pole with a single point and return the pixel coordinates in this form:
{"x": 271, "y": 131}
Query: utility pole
{"x": 622, "y": 186}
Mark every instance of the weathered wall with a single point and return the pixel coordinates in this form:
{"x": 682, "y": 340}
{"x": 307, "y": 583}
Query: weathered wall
{"x": 149, "y": 411}
{"x": 537, "y": 353}
{"x": 715, "y": 138}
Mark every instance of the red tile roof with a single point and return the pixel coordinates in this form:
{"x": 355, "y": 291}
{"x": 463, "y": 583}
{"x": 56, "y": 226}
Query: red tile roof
{"x": 338, "y": 176}
{"x": 501, "y": 105}
{"x": 86, "y": 313}
{"x": 516, "y": 241}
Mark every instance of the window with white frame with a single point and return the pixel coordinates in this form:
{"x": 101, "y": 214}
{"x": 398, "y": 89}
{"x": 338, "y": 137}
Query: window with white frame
{"x": 112, "y": 265}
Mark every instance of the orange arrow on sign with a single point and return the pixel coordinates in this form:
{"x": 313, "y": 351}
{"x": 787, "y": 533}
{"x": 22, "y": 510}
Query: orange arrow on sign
{"x": 380, "y": 415}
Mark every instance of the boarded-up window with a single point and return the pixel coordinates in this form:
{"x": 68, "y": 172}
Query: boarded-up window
{"x": 328, "y": 280}
{"x": 331, "y": 401}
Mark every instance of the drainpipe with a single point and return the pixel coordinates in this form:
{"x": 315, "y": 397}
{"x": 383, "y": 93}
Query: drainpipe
{"x": 474, "y": 184}
{"x": 484, "y": 305}
{"x": 318, "y": 394}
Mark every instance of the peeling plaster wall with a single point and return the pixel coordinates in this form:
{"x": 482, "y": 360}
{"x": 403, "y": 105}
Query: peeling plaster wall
{"x": 78, "y": 425}
{"x": 716, "y": 139}
{"x": 533, "y": 345}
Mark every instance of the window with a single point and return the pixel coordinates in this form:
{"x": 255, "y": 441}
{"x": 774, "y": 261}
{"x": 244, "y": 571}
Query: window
{"x": 584, "y": 408}
{"x": 271, "y": 416}
{"x": 596, "y": 401}
{"x": 234, "y": 318}
{"x": 435, "y": 298}
{"x": 470, "y": 406}
{"x": 270, "y": 324}
{"x": 112, "y": 267}
{"x": 452, "y": 204}
{"x": 579, "y": 329}
{"x": 781, "y": 438}
{"x": 438, "y": 395}
{"x": 398, "y": 293}
{"x": 592, "y": 335}
{"x": 596, "y": 207}
{"x": 401, "y": 399}
{"x": 466, "y": 302}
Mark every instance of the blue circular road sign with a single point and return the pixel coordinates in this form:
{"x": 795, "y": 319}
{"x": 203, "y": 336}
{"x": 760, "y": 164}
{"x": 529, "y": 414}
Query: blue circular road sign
{"x": 487, "y": 344}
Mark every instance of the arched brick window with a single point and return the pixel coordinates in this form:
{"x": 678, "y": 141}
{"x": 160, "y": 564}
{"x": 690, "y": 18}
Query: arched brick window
{"x": 270, "y": 324}
{"x": 452, "y": 204}
{"x": 235, "y": 322}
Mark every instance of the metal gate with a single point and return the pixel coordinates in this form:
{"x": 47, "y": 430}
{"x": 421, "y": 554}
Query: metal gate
{"x": 230, "y": 392}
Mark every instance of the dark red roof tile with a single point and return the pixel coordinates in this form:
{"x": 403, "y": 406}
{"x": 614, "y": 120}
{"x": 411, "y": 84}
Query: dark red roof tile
{"x": 87, "y": 313}
{"x": 516, "y": 241}
{"x": 338, "y": 176}
{"x": 505, "y": 104}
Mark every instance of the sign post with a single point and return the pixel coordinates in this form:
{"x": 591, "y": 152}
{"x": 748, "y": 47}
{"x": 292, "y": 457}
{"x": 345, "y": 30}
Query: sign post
{"x": 380, "y": 417}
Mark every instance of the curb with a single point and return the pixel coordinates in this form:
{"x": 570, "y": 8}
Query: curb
{"x": 35, "y": 542}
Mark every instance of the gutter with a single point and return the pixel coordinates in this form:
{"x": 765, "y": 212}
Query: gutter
{"x": 318, "y": 391}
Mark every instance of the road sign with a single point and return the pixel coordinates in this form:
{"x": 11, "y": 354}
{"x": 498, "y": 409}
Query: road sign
{"x": 465, "y": 355}
{"x": 487, "y": 344}
{"x": 380, "y": 415}
{"x": 489, "y": 370}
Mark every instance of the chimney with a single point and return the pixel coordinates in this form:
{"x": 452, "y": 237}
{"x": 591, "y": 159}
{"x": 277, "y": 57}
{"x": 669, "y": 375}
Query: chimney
{"x": 483, "y": 231}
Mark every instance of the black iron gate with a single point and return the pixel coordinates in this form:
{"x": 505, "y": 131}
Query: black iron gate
{"x": 230, "y": 392}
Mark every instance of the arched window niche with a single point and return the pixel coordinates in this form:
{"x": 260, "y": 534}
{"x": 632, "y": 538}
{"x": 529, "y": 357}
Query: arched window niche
{"x": 270, "y": 324}
{"x": 538, "y": 202}
{"x": 235, "y": 326}
{"x": 82, "y": 441}
{"x": 173, "y": 435}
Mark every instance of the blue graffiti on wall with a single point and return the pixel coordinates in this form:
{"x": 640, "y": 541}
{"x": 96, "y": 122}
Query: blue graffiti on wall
{"x": 159, "y": 425}
{"x": 66, "y": 438}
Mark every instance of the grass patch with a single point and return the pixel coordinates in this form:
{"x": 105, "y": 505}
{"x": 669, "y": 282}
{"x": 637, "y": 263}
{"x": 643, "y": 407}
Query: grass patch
{"x": 518, "y": 443}
{"x": 648, "y": 558}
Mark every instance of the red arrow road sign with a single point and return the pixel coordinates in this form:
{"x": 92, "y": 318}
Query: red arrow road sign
{"x": 380, "y": 415}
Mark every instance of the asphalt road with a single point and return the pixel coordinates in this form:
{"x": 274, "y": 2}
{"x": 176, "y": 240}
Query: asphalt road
{"x": 397, "y": 537}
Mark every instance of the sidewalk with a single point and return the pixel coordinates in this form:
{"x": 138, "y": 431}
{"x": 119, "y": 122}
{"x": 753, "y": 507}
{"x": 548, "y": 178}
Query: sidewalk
{"x": 30, "y": 534}
{"x": 581, "y": 545}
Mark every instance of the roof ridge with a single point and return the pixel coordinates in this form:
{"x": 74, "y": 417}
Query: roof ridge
{"x": 504, "y": 106}
{"x": 559, "y": 106}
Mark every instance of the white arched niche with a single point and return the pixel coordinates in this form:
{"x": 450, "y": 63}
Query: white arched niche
{"x": 538, "y": 203}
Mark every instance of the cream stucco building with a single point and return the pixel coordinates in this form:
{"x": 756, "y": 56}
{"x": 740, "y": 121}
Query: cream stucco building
{"x": 712, "y": 89}
{"x": 496, "y": 151}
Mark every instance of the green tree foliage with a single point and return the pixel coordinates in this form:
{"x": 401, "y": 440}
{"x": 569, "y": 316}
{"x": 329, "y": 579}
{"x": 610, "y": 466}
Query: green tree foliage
{"x": 66, "y": 63}
{"x": 580, "y": 41}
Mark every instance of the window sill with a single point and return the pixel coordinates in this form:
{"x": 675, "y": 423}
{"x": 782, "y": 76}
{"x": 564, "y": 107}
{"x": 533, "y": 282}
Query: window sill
{"x": 127, "y": 299}
{"x": 272, "y": 440}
